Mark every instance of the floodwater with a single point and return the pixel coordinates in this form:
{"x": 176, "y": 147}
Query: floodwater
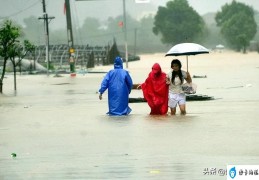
{"x": 58, "y": 128}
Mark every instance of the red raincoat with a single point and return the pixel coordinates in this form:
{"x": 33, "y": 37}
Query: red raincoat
{"x": 155, "y": 91}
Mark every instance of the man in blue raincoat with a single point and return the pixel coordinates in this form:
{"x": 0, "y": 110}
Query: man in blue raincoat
{"x": 119, "y": 84}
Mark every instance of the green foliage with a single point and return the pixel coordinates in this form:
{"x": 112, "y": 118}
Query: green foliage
{"x": 178, "y": 22}
{"x": 18, "y": 50}
{"x": 11, "y": 48}
{"x": 51, "y": 66}
{"x": 28, "y": 46}
{"x": 257, "y": 22}
{"x": 237, "y": 24}
{"x": 9, "y": 34}
{"x": 94, "y": 32}
{"x": 113, "y": 52}
{"x": 90, "y": 62}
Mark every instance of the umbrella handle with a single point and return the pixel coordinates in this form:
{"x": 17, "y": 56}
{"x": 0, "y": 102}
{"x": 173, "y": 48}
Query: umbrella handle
{"x": 187, "y": 62}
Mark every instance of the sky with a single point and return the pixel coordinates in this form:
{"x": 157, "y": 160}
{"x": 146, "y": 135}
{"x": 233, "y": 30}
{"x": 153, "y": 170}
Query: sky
{"x": 101, "y": 9}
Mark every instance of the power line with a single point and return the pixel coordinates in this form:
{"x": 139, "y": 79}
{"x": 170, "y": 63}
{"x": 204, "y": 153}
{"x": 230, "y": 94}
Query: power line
{"x": 46, "y": 19}
{"x": 21, "y": 11}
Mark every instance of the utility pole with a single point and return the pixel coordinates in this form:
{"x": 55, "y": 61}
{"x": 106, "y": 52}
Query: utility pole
{"x": 135, "y": 41}
{"x": 46, "y": 30}
{"x": 124, "y": 29}
{"x": 70, "y": 39}
{"x": 125, "y": 32}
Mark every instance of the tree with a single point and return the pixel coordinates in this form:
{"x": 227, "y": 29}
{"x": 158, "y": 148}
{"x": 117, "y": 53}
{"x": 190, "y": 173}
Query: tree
{"x": 178, "y": 22}
{"x": 17, "y": 52}
{"x": 145, "y": 34}
{"x": 9, "y": 34}
{"x": 10, "y": 48}
{"x": 90, "y": 62}
{"x": 113, "y": 53}
{"x": 237, "y": 24}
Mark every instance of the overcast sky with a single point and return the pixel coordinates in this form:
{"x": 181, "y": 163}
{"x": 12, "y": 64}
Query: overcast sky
{"x": 19, "y": 9}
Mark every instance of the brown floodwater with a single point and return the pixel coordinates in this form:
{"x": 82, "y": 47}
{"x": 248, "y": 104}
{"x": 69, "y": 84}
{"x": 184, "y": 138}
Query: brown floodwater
{"x": 58, "y": 129}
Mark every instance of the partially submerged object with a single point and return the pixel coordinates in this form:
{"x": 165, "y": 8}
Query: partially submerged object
{"x": 198, "y": 97}
{"x": 196, "y": 76}
{"x": 189, "y": 97}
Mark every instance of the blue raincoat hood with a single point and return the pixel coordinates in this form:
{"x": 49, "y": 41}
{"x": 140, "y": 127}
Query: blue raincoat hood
{"x": 118, "y": 63}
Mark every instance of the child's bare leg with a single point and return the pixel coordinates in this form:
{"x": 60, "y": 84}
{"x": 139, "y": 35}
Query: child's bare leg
{"x": 173, "y": 111}
{"x": 182, "y": 109}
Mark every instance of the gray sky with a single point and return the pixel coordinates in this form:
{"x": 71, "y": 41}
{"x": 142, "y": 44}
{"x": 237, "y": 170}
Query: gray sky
{"x": 19, "y": 9}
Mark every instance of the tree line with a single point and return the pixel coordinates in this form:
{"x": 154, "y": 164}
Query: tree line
{"x": 175, "y": 23}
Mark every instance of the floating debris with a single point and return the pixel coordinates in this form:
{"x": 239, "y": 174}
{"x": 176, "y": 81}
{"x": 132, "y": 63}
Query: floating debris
{"x": 195, "y": 76}
{"x": 13, "y": 155}
{"x": 234, "y": 87}
{"x": 57, "y": 75}
{"x": 198, "y": 97}
{"x": 189, "y": 97}
{"x": 61, "y": 84}
{"x": 154, "y": 172}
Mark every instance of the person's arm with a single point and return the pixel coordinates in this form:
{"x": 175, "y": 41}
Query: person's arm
{"x": 104, "y": 85}
{"x": 167, "y": 80}
{"x": 100, "y": 96}
{"x": 188, "y": 78}
{"x": 129, "y": 81}
{"x": 138, "y": 86}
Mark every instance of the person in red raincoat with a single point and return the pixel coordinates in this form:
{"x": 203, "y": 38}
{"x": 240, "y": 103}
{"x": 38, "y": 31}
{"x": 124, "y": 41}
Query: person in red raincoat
{"x": 155, "y": 91}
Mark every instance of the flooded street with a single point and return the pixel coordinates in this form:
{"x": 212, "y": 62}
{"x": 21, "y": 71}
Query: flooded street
{"x": 58, "y": 128}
